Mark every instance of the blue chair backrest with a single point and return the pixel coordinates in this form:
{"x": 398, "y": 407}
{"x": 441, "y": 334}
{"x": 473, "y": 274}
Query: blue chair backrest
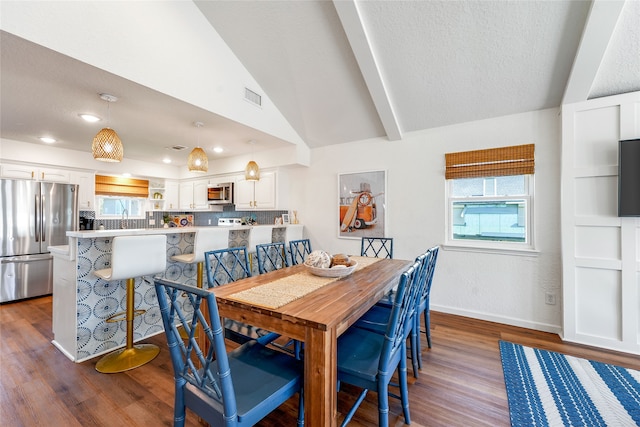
{"x": 299, "y": 250}
{"x": 430, "y": 268}
{"x": 205, "y": 367}
{"x": 401, "y": 318}
{"x": 271, "y": 256}
{"x": 226, "y": 265}
{"x": 377, "y": 247}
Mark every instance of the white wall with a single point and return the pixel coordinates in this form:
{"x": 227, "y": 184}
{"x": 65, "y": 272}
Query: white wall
{"x": 506, "y": 288}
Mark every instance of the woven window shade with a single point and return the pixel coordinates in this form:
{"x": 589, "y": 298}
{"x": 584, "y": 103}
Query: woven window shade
{"x": 117, "y": 186}
{"x": 514, "y": 160}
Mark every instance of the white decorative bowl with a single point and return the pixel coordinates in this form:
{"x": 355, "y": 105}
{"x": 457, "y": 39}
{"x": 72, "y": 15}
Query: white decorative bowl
{"x": 333, "y": 272}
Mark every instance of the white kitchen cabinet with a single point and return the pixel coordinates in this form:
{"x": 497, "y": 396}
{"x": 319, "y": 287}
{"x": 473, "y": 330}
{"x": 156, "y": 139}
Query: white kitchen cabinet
{"x": 35, "y": 173}
{"x": 193, "y": 194}
{"x": 256, "y": 195}
{"x": 86, "y": 189}
{"x": 171, "y": 192}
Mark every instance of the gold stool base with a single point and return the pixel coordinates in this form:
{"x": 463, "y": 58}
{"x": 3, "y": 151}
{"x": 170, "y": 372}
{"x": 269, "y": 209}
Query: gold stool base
{"x": 183, "y": 333}
{"x": 127, "y": 358}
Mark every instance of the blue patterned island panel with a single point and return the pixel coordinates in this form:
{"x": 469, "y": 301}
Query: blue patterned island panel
{"x": 97, "y": 299}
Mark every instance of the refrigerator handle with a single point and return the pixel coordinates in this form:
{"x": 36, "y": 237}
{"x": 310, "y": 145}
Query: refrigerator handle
{"x": 37, "y": 218}
{"x": 43, "y": 237}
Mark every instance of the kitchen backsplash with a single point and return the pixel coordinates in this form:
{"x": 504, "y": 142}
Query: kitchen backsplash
{"x": 200, "y": 218}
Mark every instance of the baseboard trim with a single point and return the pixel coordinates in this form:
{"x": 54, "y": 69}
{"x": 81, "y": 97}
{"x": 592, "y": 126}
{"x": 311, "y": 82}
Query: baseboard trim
{"x": 544, "y": 327}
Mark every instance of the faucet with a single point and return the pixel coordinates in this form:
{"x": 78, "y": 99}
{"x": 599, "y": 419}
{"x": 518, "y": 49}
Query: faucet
{"x": 123, "y": 221}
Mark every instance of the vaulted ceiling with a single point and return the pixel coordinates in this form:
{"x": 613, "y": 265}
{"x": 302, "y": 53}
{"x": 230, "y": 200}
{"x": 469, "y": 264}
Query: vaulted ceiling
{"x": 344, "y": 70}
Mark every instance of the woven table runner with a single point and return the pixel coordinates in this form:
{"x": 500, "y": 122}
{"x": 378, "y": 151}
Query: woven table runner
{"x": 287, "y": 289}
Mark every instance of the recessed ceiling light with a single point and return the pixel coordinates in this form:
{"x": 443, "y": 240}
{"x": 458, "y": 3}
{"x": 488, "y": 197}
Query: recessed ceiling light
{"x": 47, "y": 139}
{"x": 166, "y": 160}
{"x": 90, "y": 118}
{"x": 218, "y": 149}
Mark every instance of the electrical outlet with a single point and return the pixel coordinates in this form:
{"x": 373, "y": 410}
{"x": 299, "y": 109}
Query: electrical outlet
{"x": 550, "y": 298}
{"x": 152, "y": 222}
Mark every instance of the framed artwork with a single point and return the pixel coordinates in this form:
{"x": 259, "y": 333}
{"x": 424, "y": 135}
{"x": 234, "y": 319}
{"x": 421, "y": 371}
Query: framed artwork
{"x": 362, "y": 206}
{"x": 285, "y": 218}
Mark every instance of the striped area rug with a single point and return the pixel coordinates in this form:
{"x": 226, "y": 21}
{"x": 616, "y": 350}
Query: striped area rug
{"x": 551, "y": 389}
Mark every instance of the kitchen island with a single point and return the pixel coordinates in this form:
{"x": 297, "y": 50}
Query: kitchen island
{"x": 82, "y": 302}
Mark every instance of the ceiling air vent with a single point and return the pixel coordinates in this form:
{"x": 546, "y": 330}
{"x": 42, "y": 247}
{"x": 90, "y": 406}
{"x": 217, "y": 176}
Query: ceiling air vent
{"x": 177, "y": 147}
{"x": 252, "y": 97}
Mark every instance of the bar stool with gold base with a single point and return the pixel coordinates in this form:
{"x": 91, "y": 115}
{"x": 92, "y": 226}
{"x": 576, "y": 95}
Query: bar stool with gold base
{"x": 131, "y": 257}
{"x": 206, "y": 239}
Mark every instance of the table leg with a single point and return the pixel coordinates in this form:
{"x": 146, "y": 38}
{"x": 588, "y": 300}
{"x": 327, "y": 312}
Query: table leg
{"x": 320, "y": 378}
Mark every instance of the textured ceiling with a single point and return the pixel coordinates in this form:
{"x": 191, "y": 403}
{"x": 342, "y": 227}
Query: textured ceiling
{"x": 344, "y": 71}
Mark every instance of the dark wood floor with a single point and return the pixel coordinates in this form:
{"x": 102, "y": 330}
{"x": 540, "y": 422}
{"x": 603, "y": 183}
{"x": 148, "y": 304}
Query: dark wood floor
{"x": 461, "y": 384}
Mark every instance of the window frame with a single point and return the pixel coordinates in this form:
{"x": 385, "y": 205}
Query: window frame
{"x": 490, "y": 245}
{"x": 100, "y": 215}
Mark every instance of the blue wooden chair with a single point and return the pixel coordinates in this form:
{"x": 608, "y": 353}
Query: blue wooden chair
{"x": 221, "y": 387}
{"x": 226, "y": 266}
{"x": 423, "y": 307}
{"x": 368, "y": 359}
{"x": 271, "y": 256}
{"x": 299, "y": 250}
{"x": 377, "y": 317}
{"x": 377, "y": 247}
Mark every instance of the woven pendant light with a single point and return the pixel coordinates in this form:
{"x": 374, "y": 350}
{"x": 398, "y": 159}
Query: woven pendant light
{"x": 197, "y": 160}
{"x": 107, "y": 146}
{"x": 252, "y": 171}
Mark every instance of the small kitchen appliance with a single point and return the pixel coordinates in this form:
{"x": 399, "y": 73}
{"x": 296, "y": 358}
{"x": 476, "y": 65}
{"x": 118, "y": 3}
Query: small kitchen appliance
{"x": 220, "y": 194}
{"x": 229, "y": 222}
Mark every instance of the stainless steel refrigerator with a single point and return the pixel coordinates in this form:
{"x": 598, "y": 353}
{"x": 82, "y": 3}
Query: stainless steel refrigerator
{"x": 33, "y": 216}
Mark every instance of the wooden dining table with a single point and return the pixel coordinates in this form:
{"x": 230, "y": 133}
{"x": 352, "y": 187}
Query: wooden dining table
{"x": 318, "y": 318}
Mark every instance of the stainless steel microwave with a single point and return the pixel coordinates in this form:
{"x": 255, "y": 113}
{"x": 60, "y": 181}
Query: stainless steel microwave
{"x": 220, "y": 194}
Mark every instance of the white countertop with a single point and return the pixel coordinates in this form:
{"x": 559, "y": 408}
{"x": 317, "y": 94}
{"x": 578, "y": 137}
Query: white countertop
{"x": 89, "y": 234}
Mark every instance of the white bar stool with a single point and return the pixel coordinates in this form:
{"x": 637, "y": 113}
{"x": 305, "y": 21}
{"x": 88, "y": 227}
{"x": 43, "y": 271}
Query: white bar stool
{"x": 258, "y": 235}
{"x": 206, "y": 239}
{"x": 131, "y": 257}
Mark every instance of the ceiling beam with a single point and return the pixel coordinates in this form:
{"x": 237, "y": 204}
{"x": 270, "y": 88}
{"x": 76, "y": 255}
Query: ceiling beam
{"x": 600, "y": 26}
{"x": 360, "y": 45}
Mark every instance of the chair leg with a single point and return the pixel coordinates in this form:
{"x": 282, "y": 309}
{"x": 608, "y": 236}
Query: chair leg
{"x": 427, "y": 326}
{"x": 179, "y": 408}
{"x": 404, "y": 389}
{"x": 416, "y": 354}
{"x": 353, "y": 409}
{"x": 131, "y": 356}
{"x": 301, "y": 407}
{"x": 383, "y": 404}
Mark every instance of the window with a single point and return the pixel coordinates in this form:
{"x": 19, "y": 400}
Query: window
{"x": 490, "y": 198}
{"x": 120, "y": 197}
{"x": 110, "y": 207}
